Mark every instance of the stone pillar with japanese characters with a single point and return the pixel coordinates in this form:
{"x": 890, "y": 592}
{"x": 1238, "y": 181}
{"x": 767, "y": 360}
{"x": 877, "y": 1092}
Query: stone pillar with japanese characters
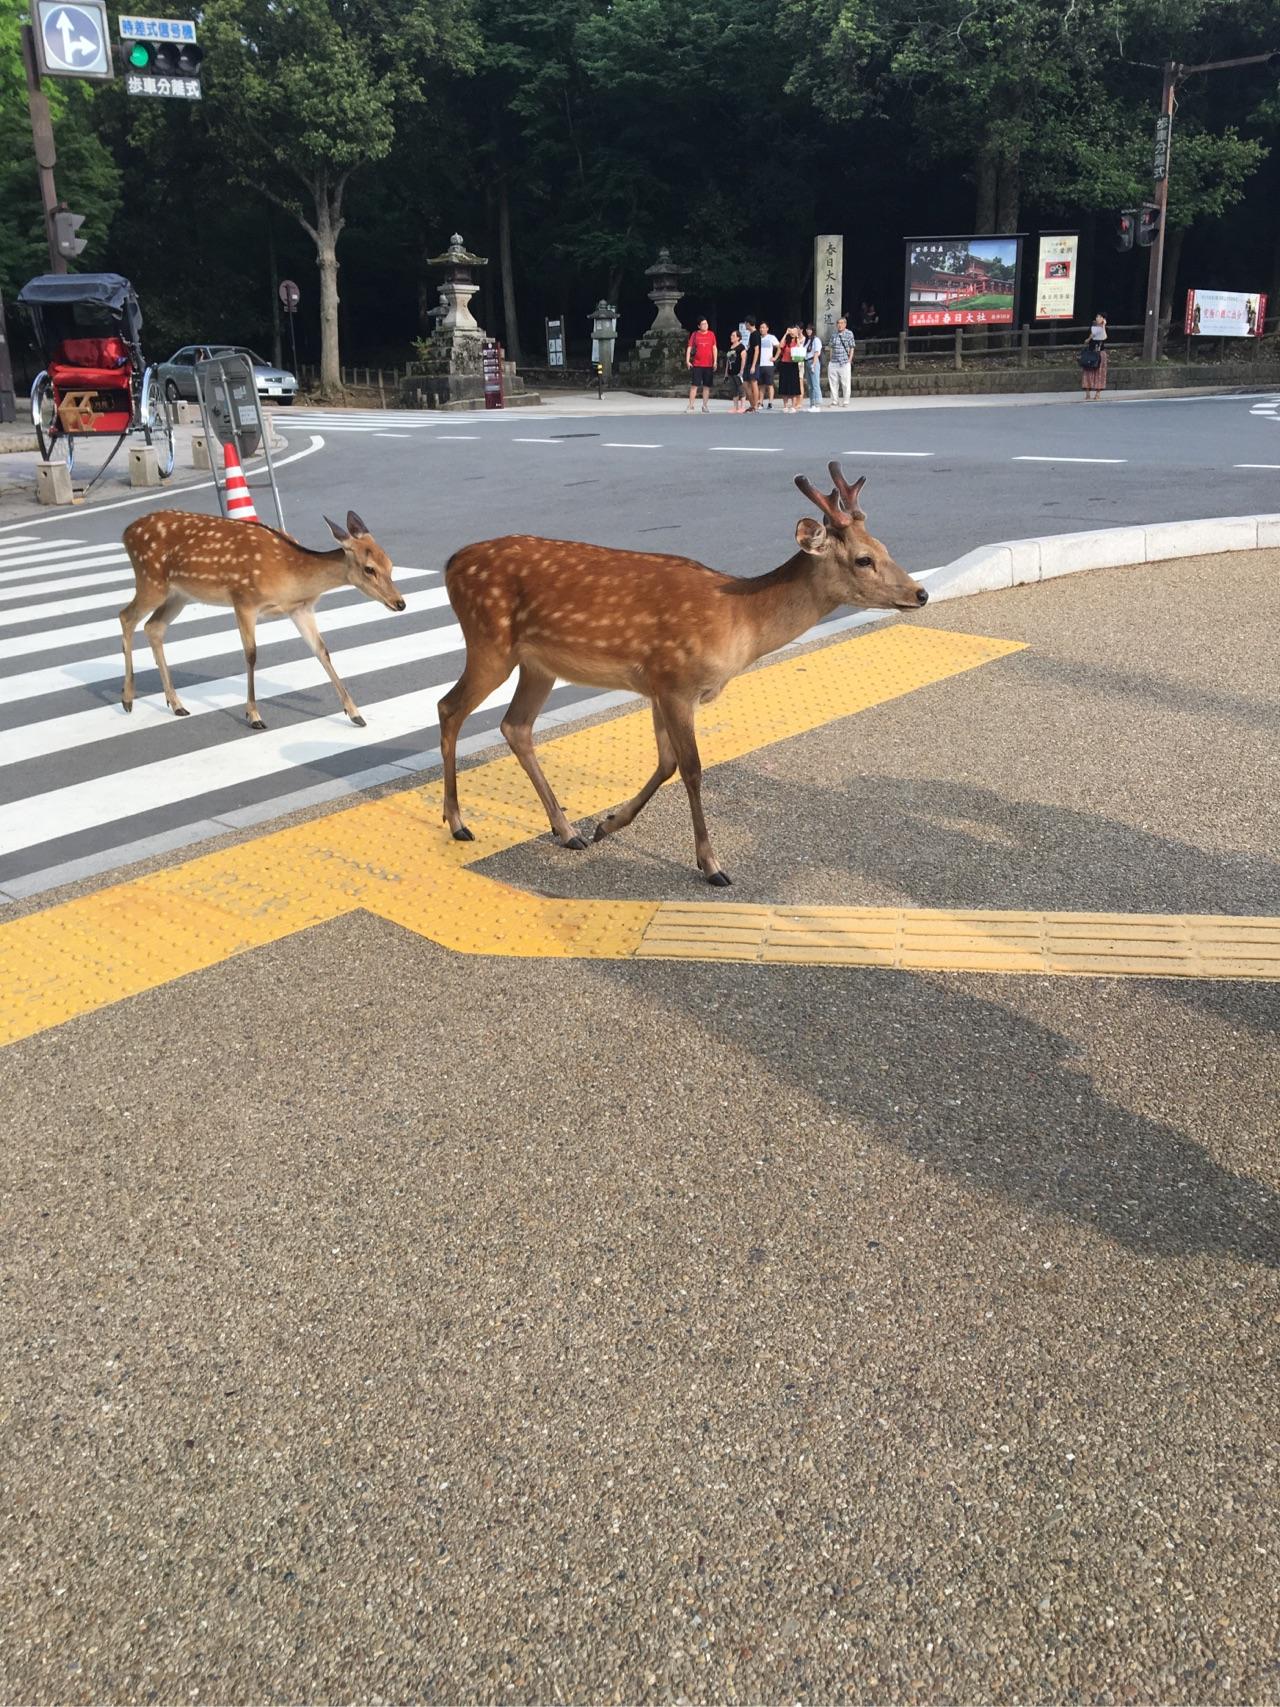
{"x": 828, "y": 286}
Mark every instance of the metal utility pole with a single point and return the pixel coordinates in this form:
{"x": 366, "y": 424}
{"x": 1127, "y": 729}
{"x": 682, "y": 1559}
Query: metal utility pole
{"x": 46, "y": 153}
{"x": 1174, "y": 74}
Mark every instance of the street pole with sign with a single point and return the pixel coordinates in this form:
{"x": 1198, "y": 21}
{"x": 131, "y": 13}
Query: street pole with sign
{"x": 1174, "y": 74}
{"x": 71, "y": 40}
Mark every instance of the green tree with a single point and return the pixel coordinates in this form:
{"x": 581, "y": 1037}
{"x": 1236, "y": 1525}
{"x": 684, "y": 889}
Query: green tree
{"x": 303, "y": 96}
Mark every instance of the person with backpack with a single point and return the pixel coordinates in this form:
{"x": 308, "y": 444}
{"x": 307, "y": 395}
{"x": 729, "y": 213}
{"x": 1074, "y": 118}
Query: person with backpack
{"x": 1093, "y": 360}
{"x": 701, "y": 357}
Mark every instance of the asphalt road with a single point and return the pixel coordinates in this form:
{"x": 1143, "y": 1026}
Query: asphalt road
{"x": 85, "y": 788}
{"x": 387, "y": 1325}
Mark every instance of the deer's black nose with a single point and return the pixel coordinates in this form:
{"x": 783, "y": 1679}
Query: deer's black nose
{"x": 399, "y": 604}
{"x": 922, "y": 597}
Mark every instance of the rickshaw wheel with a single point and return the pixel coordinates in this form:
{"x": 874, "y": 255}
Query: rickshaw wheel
{"x": 157, "y": 421}
{"x": 56, "y": 444}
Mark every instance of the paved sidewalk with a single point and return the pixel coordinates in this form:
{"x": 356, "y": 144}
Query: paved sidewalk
{"x": 386, "y": 1323}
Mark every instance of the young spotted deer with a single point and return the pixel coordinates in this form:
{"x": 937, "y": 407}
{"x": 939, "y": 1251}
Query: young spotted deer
{"x": 665, "y": 627}
{"x": 178, "y": 557}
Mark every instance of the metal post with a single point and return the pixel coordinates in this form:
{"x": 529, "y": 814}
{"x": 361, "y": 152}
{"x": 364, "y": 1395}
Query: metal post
{"x": 959, "y": 342}
{"x": 1024, "y": 347}
{"x": 46, "y": 153}
{"x": 1155, "y": 271}
{"x": 902, "y": 352}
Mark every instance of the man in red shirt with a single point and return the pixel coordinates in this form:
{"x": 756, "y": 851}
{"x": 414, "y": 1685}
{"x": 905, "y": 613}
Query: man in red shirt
{"x": 700, "y": 357}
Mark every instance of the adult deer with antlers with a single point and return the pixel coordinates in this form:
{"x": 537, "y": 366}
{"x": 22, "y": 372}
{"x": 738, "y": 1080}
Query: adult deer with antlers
{"x": 665, "y": 627}
{"x": 178, "y": 556}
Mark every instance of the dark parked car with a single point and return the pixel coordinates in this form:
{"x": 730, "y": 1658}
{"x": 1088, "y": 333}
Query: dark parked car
{"x": 275, "y": 384}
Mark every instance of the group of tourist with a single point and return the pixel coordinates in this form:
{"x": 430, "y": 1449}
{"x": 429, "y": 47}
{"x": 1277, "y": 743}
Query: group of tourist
{"x": 760, "y": 366}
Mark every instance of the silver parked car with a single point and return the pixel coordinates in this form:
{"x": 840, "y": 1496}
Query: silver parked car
{"x": 178, "y": 374}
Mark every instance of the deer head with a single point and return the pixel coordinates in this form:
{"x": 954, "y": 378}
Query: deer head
{"x": 367, "y": 564}
{"x": 857, "y": 567}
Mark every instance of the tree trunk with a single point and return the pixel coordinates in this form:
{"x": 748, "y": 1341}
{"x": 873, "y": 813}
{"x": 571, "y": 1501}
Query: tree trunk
{"x": 1008, "y": 192}
{"x": 277, "y": 350}
{"x": 1173, "y": 241}
{"x": 327, "y": 230}
{"x": 985, "y": 176}
{"x": 512, "y": 345}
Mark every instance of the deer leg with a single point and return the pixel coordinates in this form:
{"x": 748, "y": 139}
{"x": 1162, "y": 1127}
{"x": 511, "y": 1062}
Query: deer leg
{"x": 304, "y": 620}
{"x": 155, "y": 626}
{"x": 614, "y": 821}
{"x": 678, "y": 717}
{"x": 483, "y": 672}
{"x": 148, "y": 597}
{"x": 517, "y": 726}
{"x": 247, "y": 619}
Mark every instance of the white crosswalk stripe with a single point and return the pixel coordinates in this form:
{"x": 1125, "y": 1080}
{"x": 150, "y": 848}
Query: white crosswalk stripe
{"x": 81, "y": 779}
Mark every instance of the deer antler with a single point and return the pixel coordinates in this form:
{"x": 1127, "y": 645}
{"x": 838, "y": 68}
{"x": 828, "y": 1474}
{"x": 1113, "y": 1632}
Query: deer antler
{"x": 830, "y": 509}
{"x": 848, "y": 494}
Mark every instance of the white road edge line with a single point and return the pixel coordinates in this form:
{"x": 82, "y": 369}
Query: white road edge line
{"x": 1255, "y": 464}
{"x": 626, "y": 444}
{"x": 888, "y": 453}
{"x": 1109, "y": 459}
{"x": 750, "y": 450}
{"x": 77, "y": 513}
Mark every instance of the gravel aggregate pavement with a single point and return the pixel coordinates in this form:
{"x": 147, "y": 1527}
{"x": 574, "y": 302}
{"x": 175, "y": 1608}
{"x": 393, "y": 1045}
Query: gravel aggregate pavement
{"x": 384, "y": 1325}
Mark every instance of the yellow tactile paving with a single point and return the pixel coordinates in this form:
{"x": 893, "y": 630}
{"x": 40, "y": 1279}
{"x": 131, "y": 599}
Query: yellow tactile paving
{"x": 1110, "y": 944}
{"x": 393, "y": 857}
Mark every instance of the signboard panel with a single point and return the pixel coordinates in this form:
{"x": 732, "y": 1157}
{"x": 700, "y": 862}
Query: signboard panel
{"x": 157, "y": 29}
{"x": 1225, "y": 314}
{"x": 555, "y": 343}
{"x": 72, "y": 40}
{"x": 491, "y": 368}
{"x": 962, "y": 281}
{"x": 177, "y": 88}
{"x": 1056, "y": 277}
{"x": 828, "y": 285}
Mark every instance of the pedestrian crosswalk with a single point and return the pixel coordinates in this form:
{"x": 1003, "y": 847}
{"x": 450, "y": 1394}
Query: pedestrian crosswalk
{"x": 395, "y": 423}
{"x": 85, "y": 786}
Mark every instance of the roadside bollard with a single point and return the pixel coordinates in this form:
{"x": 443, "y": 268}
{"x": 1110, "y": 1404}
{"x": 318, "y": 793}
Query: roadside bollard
{"x": 53, "y": 483}
{"x": 200, "y": 451}
{"x": 144, "y": 466}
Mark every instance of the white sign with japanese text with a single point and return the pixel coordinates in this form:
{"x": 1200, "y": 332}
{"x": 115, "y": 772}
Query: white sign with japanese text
{"x": 828, "y": 286}
{"x": 1056, "y": 278}
{"x": 1225, "y": 314}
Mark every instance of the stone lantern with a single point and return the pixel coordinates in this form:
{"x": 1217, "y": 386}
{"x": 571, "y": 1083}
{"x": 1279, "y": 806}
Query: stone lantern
{"x": 604, "y": 333}
{"x": 449, "y": 371}
{"x": 666, "y": 292}
{"x": 458, "y": 287}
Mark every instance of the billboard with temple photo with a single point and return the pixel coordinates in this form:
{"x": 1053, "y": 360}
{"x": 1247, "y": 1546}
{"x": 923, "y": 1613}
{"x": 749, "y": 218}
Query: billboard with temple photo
{"x": 962, "y": 281}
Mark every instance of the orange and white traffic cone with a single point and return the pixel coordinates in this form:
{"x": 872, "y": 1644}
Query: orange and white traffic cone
{"x": 239, "y": 501}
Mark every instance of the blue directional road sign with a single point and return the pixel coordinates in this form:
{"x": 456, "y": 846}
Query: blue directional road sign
{"x": 72, "y": 38}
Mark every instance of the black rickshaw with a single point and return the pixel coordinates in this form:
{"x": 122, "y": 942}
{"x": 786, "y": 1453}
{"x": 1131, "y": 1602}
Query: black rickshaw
{"x": 89, "y": 328}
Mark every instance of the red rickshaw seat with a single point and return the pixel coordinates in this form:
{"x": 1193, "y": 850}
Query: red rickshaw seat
{"x": 90, "y": 364}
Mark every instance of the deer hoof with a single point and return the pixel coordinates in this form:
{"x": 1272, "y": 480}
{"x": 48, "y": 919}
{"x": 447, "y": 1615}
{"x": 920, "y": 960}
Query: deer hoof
{"x": 574, "y": 842}
{"x": 181, "y": 711}
{"x": 603, "y": 829}
{"x": 462, "y": 834}
{"x": 127, "y": 704}
{"x": 254, "y": 722}
{"x": 719, "y": 879}
{"x": 358, "y": 720}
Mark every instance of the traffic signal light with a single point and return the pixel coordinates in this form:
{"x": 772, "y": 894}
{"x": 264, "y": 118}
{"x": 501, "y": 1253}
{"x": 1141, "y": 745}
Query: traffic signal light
{"x": 162, "y": 58}
{"x": 1126, "y": 224}
{"x": 1148, "y": 225}
{"x": 65, "y": 226}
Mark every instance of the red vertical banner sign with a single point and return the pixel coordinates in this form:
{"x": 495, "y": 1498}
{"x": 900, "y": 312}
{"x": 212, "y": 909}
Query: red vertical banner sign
{"x": 491, "y": 366}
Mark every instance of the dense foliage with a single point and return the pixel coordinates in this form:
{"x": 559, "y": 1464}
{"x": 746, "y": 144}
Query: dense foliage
{"x": 567, "y": 139}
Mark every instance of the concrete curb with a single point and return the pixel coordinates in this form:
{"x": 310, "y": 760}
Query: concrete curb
{"x": 1014, "y": 562}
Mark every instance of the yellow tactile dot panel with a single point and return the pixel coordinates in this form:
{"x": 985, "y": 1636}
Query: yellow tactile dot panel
{"x": 395, "y": 858}
{"x": 1106, "y": 944}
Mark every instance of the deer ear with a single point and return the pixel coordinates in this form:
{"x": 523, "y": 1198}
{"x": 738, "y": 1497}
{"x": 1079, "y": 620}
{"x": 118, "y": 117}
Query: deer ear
{"x": 811, "y": 536}
{"x": 339, "y": 533}
{"x": 354, "y": 524}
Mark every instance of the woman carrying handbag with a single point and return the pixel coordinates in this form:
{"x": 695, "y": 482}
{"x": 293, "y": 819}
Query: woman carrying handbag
{"x": 1093, "y": 359}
